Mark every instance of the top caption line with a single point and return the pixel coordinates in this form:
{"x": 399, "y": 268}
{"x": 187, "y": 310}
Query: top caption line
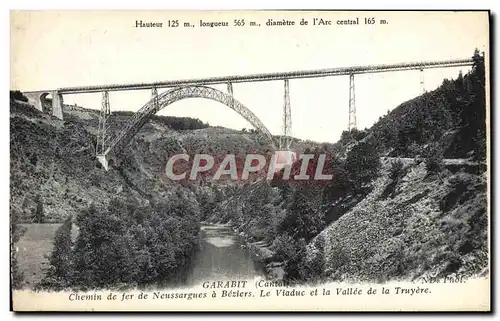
{"x": 319, "y": 22}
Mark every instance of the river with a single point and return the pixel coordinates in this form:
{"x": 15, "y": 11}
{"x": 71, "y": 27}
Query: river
{"x": 222, "y": 256}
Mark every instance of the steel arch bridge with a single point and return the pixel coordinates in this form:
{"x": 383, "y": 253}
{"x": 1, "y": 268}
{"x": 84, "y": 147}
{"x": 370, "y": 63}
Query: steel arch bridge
{"x": 112, "y": 146}
{"x": 108, "y": 147}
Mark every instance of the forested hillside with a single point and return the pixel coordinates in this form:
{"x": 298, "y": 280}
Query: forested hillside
{"x": 449, "y": 121}
{"x": 143, "y": 230}
{"x": 55, "y": 177}
{"x": 396, "y": 207}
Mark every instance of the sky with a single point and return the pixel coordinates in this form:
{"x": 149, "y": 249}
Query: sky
{"x": 53, "y": 49}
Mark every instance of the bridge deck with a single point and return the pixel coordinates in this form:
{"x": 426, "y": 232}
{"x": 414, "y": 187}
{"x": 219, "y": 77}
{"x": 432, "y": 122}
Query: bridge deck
{"x": 272, "y": 76}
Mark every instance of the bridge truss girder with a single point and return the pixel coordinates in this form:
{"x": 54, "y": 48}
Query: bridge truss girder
{"x": 102, "y": 129}
{"x": 286, "y": 134}
{"x": 352, "y": 104}
{"x": 299, "y": 74}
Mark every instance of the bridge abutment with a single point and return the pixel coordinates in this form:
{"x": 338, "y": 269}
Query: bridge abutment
{"x": 35, "y": 99}
{"x": 39, "y": 100}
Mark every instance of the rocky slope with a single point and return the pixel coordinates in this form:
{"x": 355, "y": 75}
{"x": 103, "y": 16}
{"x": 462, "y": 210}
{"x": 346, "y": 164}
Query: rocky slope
{"x": 414, "y": 226}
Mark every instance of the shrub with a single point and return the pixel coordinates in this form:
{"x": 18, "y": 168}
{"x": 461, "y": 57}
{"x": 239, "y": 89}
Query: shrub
{"x": 434, "y": 162}
{"x": 283, "y": 247}
{"x": 313, "y": 266}
{"x": 396, "y": 170}
{"x": 292, "y": 252}
{"x": 17, "y": 276}
{"x": 480, "y": 147}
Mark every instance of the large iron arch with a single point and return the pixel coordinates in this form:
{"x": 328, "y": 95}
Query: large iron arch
{"x": 169, "y": 97}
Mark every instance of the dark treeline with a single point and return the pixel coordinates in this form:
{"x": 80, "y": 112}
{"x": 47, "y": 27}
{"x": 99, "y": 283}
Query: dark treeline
{"x": 450, "y": 120}
{"x": 176, "y": 123}
{"x": 180, "y": 123}
{"x": 124, "y": 246}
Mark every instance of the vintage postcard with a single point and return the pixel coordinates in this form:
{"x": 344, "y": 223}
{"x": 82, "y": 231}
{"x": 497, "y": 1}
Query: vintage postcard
{"x": 250, "y": 160}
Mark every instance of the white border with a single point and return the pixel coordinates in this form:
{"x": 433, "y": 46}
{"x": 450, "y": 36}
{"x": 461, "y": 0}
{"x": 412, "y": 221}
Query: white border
{"x": 199, "y": 5}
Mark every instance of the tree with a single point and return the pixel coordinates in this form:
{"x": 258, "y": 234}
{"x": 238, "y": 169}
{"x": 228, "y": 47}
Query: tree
{"x": 358, "y": 134}
{"x": 207, "y": 205}
{"x": 38, "y": 215}
{"x": 302, "y": 220}
{"x": 472, "y": 111}
{"x": 101, "y": 253}
{"x": 478, "y": 112}
{"x": 362, "y": 164}
{"x": 17, "y": 95}
{"x": 337, "y": 188}
{"x": 58, "y": 274}
{"x": 434, "y": 159}
{"x": 285, "y": 192}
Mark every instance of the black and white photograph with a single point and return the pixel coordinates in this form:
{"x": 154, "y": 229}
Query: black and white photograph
{"x": 250, "y": 160}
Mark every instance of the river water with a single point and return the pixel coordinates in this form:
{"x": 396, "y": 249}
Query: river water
{"x": 222, "y": 256}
